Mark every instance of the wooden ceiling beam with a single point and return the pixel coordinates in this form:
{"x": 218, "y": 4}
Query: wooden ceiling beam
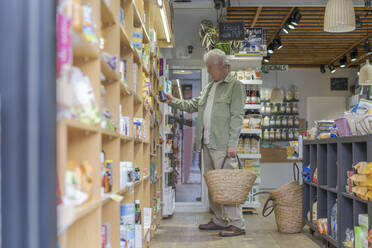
{"x": 258, "y": 12}
{"x": 281, "y": 25}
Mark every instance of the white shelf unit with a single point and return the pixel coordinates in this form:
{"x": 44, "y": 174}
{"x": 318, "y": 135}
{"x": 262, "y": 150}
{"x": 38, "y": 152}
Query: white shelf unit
{"x": 252, "y": 82}
{"x": 253, "y": 106}
{"x": 251, "y": 131}
{"x": 243, "y": 62}
{"x": 250, "y": 156}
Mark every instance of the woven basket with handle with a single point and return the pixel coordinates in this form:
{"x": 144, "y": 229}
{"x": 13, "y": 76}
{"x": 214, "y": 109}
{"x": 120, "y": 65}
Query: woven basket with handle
{"x": 229, "y": 186}
{"x": 286, "y": 205}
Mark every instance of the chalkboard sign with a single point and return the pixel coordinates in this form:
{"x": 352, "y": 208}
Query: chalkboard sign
{"x": 339, "y": 83}
{"x": 231, "y": 31}
{"x": 254, "y": 41}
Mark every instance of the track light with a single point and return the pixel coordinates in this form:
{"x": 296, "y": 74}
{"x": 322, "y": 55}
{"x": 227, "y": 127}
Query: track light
{"x": 270, "y": 49}
{"x": 367, "y": 3}
{"x": 354, "y": 54}
{"x": 291, "y": 26}
{"x": 277, "y": 43}
{"x": 267, "y": 59}
{"x": 322, "y": 69}
{"x": 343, "y": 61}
{"x": 296, "y": 17}
{"x": 367, "y": 47}
{"x": 332, "y": 68}
{"x": 226, "y": 3}
{"x": 286, "y": 28}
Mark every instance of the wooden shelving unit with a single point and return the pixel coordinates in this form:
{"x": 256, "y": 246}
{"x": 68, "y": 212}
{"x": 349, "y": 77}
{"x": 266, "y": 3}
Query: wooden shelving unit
{"x": 83, "y": 142}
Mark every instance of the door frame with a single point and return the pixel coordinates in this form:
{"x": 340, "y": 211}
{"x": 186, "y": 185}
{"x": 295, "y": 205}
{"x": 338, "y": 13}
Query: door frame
{"x": 203, "y": 206}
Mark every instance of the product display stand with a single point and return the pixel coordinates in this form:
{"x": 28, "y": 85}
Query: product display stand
{"x": 333, "y": 158}
{"x": 82, "y": 225}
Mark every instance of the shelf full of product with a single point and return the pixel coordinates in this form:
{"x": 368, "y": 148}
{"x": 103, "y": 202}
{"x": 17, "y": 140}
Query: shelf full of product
{"x": 249, "y": 141}
{"x": 336, "y": 192}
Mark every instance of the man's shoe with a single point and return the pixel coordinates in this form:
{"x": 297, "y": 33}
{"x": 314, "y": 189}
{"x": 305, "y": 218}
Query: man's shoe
{"x": 211, "y": 226}
{"x": 232, "y": 231}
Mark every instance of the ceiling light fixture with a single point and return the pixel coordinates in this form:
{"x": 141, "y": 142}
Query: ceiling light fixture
{"x": 270, "y": 49}
{"x": 367, "y": 47}
{"x": 165, "y": 24}
{"x": 332, "y": 68}
{"x": 339, "y": 16}
{"x": 322, "y": 69}
{"x": 354, "y": 54}
{"x": 267, "y": 59}
{"x": 296, "y": 17}
{"x": 343, "y": 61}
{"x": 291, "y": 26}
{"x": 277, "y": 42}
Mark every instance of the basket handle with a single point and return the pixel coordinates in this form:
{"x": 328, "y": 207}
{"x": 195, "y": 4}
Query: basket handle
{"x": 296, "y": 172}
{"x": 268, "y": 207}
{"x": 224, "y": 160}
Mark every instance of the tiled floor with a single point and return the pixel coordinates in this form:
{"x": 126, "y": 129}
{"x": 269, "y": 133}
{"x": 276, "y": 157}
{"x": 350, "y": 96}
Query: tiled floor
{"x": 181, "y": 231}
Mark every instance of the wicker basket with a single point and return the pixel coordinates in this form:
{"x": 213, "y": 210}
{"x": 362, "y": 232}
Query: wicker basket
{"x": 229, "y": 186}
{"x": 287, "y": 206}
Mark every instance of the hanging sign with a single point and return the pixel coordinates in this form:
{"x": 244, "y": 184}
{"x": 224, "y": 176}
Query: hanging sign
{"x": 254, "y": 41}
{"x": 230, "y": 31}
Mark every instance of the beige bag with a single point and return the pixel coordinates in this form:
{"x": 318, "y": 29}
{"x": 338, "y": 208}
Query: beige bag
{"x": 229, "y": 186}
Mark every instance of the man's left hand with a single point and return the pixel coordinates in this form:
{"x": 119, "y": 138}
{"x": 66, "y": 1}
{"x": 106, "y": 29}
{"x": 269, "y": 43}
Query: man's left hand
{"x": 231, "y": 152}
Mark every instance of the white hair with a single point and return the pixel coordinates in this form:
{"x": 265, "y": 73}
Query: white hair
{"x": 218, "y": 57}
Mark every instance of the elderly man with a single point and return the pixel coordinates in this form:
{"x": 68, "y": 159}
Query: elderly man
{"x": 220, "y": 108}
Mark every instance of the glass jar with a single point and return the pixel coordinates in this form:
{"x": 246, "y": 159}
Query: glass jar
{"x": 278, "y": 121}
{"x": 267, "y": 95}
{"x": 297, "y": 121}
{"x": 266, "y": 134}
{"x": 296, "y": 93}
{"x": 263, "y": 108}
{"x": 247, "y": 145}
{"x": 277, "y": 134}
{"x": 288, "y": 109}
{"x": 290, "y": 134}
{"x": 284, "y": 121}
{"x": 267, "y": 108}
{"x": 254, "y": 144}
{"x": 275, "y": 109}
{"x": 295, "y": 108}
{"x": 289, "y": 95}
{"x": 272, "y": 121}
{"x": 290, "y": 121}
{"x": 284, "y": 134}
{"x": 282, "y": 108}
{"x": 266, "y": 121}
{"x": 272, "y": 134}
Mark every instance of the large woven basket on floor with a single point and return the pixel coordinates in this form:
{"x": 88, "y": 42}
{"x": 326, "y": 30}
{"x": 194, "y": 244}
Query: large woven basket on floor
{"x": 287, "y": 206}
{"x": 229, "y": 186}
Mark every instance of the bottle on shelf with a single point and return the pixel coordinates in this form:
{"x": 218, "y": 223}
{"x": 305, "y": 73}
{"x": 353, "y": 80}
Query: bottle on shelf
{"x": 278, "y": 121}
{"x": 297, "y": 121}
{"x": 248, "y": 93}
{"x": 295, "y": 108}
{"x": 277, "y": 134}
{"x": 284, "y": 134}
{"x": 241, "y": 145}
{"x": 258, "y": 96}
{"x": 288, "y": 109}
{"x": 137, "y": 208}
{"x": 266, "y": 135}
{"x": 263, "y": 108}
{"x": 267, "y": 108}
{"x": 247, "y": 145}
{"x": 282, "y": 108}
{"x": 272, "y": 134}
{"x": 253, "y": 96}
{"x": 290, "y": 134}
{"x": 284, "y": 121}
{"x": 290, "y": 121}
{"x": 254, "y": 144}
{"x": 266, "y": 121}
{"x": 272, "y": 121}
{"x": 296, "y": 134}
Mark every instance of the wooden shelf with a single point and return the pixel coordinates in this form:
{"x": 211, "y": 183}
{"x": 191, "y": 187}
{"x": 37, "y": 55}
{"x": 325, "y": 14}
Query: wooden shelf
{"x": 138, "y": 22}
{"x": 85, "y": 209}
{"x": 137, "y": 183}
{"x": 126, "y": 138}
{"x": 108, "y": 18}
{"x": 125, "y": 40}
{"x": 137, "y": 99}
{"x": 82, "y": 49}
{"x": 109, "y": 134}
{"x": 124, "y": 89}
{"x": 137, "y": 141}
{"x": 110, "y": 74}
{"x": 77, "y": 125}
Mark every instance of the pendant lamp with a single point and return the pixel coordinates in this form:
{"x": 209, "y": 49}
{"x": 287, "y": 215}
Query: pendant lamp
{"x": 277, "y": 94}
{"x": 339, "y": 16}
{"x": 365, "y": 77}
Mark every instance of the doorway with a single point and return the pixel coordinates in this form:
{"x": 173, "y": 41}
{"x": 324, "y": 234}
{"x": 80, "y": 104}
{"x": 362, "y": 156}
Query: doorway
{"x": 189, "y": 187}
